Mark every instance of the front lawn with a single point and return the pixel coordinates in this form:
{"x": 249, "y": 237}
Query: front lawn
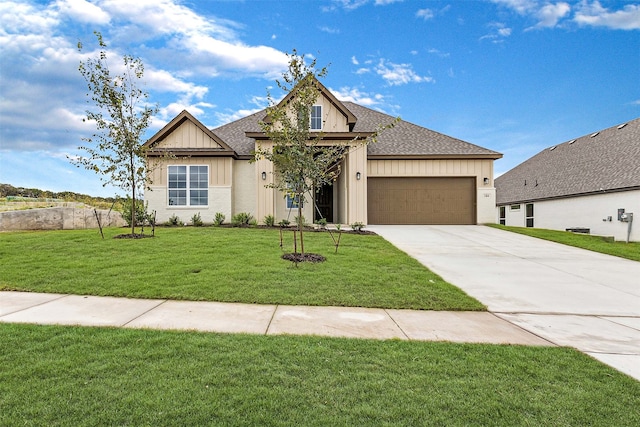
{"x": 629, "y": 250}
{"x": 54, "y": 375}
{"x": 221, "y": 264}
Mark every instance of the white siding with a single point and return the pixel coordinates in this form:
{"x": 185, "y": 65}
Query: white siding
{"x": 591, "y": 212}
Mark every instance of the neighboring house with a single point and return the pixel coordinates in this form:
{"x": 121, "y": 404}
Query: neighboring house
{"x": 411, "y": 175}
{"x": 583, "y": 184}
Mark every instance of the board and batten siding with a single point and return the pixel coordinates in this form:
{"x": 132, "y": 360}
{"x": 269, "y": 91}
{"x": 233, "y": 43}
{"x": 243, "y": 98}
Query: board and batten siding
{"x": 333, "y": 119}
{"x": 478, "y": 168}
{"x": 188, "y": 135}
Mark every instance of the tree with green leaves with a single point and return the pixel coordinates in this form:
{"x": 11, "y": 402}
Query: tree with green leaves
{"x": 303, "y": 163}
{"x": 121, "y": 115}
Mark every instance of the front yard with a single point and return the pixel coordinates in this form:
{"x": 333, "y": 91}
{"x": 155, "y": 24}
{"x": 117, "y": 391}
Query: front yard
{"x": 221, "y": 264}
{"x": 60, "y": 376}
{"x": 57, "y": 375}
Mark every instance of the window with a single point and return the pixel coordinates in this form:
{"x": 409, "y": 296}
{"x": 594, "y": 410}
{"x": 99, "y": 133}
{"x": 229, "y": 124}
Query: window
{"x": 503, "y": 215}
{"x": 316, "y": 117}
{"x": 292, "y": 201}
{"x": 514, "y": 207}
{"x": 529, "y": 214}
{"x": 188, "y": 185}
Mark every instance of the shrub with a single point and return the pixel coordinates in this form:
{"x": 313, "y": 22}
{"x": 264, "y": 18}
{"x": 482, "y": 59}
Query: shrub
{"x": 196, "y": 220}
{"x": 322, "y": 222}
{"x": 174, "y": 221}
{"x": 241, "y": 219}
{"x": 219, "y": 218}
{"x": 253, "y": 222}
{"x": 269, "y": 221}
{"x": 142, "y": 217}
{"x": 284, "y": 223}
{"x": 357, "y": 226}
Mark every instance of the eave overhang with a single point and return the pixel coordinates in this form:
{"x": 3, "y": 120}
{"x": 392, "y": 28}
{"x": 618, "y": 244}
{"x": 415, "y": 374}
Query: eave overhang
{"x": 432, "y": 156}
{"x": 328, "y": 136}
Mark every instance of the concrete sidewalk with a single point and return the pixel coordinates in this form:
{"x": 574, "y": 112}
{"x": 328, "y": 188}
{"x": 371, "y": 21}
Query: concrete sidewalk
{"x": 569, "y": 296}
{"x": 350, "y": 322}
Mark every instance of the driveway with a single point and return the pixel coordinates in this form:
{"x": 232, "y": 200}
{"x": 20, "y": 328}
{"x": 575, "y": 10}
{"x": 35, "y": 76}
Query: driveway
{"x": 569, "y": 296}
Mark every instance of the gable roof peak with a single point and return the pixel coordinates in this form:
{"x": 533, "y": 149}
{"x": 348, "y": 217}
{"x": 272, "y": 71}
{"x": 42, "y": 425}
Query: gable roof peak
{"x": 323, "y": 91}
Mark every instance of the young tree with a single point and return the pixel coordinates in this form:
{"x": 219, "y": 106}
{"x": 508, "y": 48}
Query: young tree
{"x": 122, "y": 115}
{"x": 302, "y": 163}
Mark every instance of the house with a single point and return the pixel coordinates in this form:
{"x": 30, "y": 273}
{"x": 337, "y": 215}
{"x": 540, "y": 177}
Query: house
{"x": 588, "y": 184}
{"x": 411, "y": 175}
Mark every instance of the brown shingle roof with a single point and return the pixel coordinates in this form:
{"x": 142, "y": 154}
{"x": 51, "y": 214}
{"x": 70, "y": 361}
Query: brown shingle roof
{"x": 407, "y": 139}
{"x": 404, "y": 140}
{"x": 608, "y": 160}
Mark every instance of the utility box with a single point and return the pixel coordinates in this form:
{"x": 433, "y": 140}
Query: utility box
{"x": 620, "y": 214}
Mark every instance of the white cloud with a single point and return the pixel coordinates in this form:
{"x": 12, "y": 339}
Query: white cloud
{"x": 329, "y": 30}
{"x": 593, "y": 14}
{"x": 399, "y": 74}
{"x": 83, "y": 11}
{"x": 499, "y": 33}
{"x": 521, "y": 6}
{"x": 223, "y": 118}
{"x": 425, "y": 14}
{"x": 549, "y": 15}
{"x": 434, "y": 51}
{"x": 386, "y": 2}
{"x": 350, "y": 94}
{"x": 354, "y": 60}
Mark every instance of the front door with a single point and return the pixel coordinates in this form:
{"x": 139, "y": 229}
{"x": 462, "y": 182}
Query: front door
{"x": 324, "y": 203}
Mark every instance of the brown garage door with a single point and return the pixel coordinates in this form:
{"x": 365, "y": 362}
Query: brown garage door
{"x": 421, "y": 200}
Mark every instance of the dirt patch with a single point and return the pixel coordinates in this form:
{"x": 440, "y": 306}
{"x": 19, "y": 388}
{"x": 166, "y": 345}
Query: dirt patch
{"x": 132, "y": 236}
{"x": 304, "y": 257}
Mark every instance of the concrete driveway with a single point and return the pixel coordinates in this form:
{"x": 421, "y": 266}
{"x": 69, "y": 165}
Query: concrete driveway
{"x": 569, "y": 296}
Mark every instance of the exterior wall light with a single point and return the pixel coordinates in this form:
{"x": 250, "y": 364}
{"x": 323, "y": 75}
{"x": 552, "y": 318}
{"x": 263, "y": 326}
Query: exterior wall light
{"x": 264, "y": 176}
{"x": 358, "y": 176}
{"x": 486, "y": 181}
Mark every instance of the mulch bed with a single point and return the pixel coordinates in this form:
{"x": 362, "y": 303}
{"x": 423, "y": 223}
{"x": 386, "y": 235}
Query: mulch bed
{"x": 132, "y": 236}
{"x": 304, "y": 257}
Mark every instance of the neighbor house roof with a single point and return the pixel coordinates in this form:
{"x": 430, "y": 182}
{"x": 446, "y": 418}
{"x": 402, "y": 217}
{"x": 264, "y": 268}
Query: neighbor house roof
{"x": 604, "y": 161}
{"x": 404, "y": 140}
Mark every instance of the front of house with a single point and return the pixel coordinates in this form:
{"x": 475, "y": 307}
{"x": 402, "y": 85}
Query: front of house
{"x": 411, "y": 175}
{"x": 589, "y": 184}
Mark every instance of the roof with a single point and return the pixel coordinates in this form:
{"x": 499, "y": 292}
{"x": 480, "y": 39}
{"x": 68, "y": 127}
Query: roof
{"x": 603, "y": 161}
{"x": 407, "y": 140}
{"x": 404, "y": 140}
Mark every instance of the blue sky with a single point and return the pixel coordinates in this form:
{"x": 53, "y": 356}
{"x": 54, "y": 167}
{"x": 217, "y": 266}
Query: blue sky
{"x": 514, "y": 76}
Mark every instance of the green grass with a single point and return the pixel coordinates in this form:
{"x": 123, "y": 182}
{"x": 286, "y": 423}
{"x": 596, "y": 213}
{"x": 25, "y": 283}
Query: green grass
{"x": 60, "y": 376}
{"x": 220, "y": 264}
{"x": 600, "y": 244}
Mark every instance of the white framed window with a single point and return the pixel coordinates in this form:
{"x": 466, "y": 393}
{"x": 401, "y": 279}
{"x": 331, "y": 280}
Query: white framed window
{"x": 514, "y": 207}
{"x": 316, "y": 117}
{"x": 188, "y": 185}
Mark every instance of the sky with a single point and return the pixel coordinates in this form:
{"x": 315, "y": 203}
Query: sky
{"x": 514, "y": 76}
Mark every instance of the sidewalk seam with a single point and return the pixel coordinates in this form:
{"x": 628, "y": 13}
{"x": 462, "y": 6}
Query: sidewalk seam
{"x": 145, "y": 312}
{"x": 37, "y": 305}
{"x": 266, "y": 332}
{"x": 396, "y": 323}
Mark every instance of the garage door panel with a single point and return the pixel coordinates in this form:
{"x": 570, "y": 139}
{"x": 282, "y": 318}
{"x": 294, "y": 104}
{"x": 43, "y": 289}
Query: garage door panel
{"x": 421, "y": 200}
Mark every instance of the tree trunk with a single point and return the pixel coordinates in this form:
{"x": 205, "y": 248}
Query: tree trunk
{"x": 133, "y": 196}
{"x": 300, "y": 223}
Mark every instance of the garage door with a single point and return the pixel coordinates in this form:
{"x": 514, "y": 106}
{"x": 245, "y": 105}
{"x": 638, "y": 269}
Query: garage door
{"x": 421, "y": 200}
